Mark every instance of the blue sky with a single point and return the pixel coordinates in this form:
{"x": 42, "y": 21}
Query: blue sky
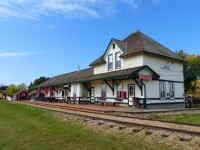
{"x": 51, "y": 37}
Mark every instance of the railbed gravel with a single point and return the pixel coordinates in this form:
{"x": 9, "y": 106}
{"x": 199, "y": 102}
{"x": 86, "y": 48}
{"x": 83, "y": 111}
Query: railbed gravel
{"x": 131, "y": 120}
{"x": 173, "y": 140}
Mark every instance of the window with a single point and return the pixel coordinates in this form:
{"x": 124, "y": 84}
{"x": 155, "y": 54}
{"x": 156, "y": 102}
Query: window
{"x": 113, "y": 46}
{"x": 85, "y": 92}
{"x": 171, "y": 90}
{"x": 110, "y": 62}
{"x": 74, "y": 90}
{"x": 103, "y": 90}
{"x": 131, "y": 90}
{"x": 119, "y": 89}
{"x": 63, "y": 93}
{"x": 117, "y": 60}
{"x": 162, "y": 90}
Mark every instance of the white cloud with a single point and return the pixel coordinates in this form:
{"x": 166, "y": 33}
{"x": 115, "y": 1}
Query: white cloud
{"x": 131, "y": 3}
{"x": 19, "y": 54}
{"x": 33, "y": 9}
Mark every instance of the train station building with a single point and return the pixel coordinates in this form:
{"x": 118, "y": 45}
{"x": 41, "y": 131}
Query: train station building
{"x": 135, "y": 68}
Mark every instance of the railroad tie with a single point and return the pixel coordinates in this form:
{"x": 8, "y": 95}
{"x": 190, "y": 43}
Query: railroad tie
{"x": 165, "y": 135}
{"x": 185, "y": 139}
{"x": 100, "y": 123}
{"x": 148, "y": 133}
{"x": 122, "y": 127}
{"x": 88, "y": 119}
{"x": 112, "y": 125}
{"x": 136, "y": 130}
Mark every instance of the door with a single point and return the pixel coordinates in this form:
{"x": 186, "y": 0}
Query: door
{"x": 92, "y": 96}
{"x": 131, "y": 94}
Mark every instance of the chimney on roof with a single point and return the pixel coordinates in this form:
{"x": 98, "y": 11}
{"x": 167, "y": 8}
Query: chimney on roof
{"x": 78, "y": 68}
{"x": 138, "y": 30}
{"x": 126, "y": 47}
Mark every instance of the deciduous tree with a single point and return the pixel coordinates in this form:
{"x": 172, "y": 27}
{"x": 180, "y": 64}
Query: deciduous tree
{"x": 191, "y": 70}
{"x": 40, "y": 80}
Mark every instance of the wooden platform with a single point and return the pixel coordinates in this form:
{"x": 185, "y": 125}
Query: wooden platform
{"x": 81, "y": 107}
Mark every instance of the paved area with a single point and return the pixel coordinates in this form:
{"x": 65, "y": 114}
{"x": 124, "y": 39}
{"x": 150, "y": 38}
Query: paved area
{"x": 103, "y": 108}
{"x": 100, "y": 107}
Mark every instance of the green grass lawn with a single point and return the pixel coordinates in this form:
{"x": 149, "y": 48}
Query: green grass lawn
{"x": 193, "y": 118}
{"x": 24, "y": 127}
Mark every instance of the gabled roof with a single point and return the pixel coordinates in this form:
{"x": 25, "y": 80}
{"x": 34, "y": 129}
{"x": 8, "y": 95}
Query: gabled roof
{"x": 120, "y": 44}
{"x": 140, "y": 43}
{"x": 21, "y": 91}
{"x": 87, "y": 75}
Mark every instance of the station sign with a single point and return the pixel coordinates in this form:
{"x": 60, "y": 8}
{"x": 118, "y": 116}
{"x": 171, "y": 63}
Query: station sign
{"x": 145, "y": 77}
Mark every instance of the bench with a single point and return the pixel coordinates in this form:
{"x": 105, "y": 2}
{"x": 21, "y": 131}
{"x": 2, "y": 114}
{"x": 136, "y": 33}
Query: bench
{"x": 109, "y": 103}
{"x": 71, "y": 100}
{"x": 113, "y": 103}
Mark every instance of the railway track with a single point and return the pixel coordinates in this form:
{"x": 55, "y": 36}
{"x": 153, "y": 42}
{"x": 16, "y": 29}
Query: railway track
{"x": 184, "y": 128}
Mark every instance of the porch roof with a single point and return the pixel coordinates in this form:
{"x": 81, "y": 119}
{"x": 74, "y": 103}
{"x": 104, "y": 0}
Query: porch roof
{"x": 130, "y": 73}
{"x": 87, "y": 75}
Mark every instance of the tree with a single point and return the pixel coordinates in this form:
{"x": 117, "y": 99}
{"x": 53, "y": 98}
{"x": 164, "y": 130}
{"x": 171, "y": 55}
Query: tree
{"x": 191, "y": 71}
{"x": 3, "y": 87}
{"x": 12, "y": 89}
{"x": 40, "y": 80}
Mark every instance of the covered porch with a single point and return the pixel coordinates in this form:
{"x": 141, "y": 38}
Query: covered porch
{"x": 117, "y": 88}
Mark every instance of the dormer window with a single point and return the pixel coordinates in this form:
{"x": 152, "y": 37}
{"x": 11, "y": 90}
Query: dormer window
{"x": 113, "y": 46}
{"x": 117, "y": 60}
{"x": 110, "y": 62}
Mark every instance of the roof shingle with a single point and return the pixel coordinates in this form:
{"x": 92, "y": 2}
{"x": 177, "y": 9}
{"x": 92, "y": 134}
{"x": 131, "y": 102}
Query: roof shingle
{"x": 140, "y": 43}
{"x": 87, "y": 75}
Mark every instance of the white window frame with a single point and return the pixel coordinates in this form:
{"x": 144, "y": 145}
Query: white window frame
{"x": 110, "y": 62}
{"x": 117, "y": 59}
{"x": 103, "y": 90}
{"x": 133, "y": 86}
{"x": 119, "y": 89}
{"x": 84, "y": 92}
{"x": 162, "y": 90}
{"x": 74, "y": 90}
{"x": 171, "y": 90}
{"x": 114, "y": 45}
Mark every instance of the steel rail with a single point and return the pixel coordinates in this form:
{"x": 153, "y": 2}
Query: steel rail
{"x": 124, "y": 122}
{"x": 100, "y": 112}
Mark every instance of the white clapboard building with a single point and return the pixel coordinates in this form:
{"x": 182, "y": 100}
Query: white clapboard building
{"x": 136, "y": 68}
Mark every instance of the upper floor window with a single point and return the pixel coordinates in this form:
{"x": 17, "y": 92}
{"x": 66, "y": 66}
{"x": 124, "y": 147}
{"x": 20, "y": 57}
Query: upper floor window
{"x": 162, "y": 90}
{"x": 110, "y": 62}
{"x": 113, "y": 46}
{"x": 171, "y": 90}
{"x": 117, "y": 60}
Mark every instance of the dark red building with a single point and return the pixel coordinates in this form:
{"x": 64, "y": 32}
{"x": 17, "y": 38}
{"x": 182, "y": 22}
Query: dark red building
{"x": 21, "y": 95}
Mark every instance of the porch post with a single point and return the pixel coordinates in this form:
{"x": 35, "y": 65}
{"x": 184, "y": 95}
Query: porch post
{"x": 145, "y": 99}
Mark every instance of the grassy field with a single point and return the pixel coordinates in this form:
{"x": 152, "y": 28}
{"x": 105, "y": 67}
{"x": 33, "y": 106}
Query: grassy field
{"x": 193, "y": 118}
{"x": 24, "y": 127}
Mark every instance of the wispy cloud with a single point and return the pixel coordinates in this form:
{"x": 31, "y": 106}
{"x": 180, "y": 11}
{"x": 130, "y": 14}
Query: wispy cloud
{"x": 33, "y": 9}
{"x": 19, "y": 54}
{"x": 155, "y": 2}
